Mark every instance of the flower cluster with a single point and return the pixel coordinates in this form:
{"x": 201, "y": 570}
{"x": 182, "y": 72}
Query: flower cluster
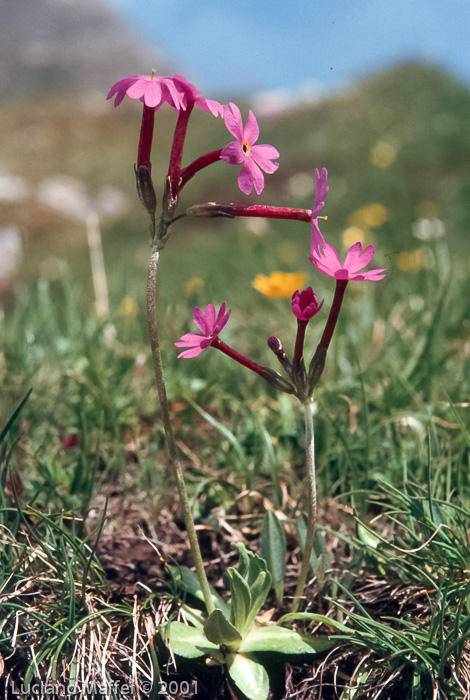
{"x": 255, "y": 160}
{"x": 305, "y": 304}
{"x": 154, "y": 91}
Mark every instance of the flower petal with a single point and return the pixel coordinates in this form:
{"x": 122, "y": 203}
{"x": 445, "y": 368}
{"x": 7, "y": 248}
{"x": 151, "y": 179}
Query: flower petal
{"x": 251, "y": 130}
{"x": 262, "y": 157}
{"x": 150, "y": 91}
{"x": 321, "y": 190}
{"x": 221, "y": 319}
{"x": 318, "y": 242}
{"x": 250, "y": 176}
{"x": 233, "y": 121}
{"x": 356, "y": 258}
{"x": 233, "y": 153}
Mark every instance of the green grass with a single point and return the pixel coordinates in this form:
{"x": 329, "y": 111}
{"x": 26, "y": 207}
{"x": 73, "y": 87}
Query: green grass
{"x": 392, "y": 426}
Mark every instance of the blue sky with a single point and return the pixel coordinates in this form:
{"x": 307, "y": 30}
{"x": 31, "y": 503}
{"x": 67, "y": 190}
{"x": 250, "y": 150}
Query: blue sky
{"x": 248, "y": 46}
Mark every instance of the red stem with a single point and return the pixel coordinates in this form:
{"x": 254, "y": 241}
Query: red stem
{"x": 202, "y": 162}
{"x": 241, "y": 359}
{"x": 174, "y": 169}
{"x": 146, "y": 136}
{"x": 299, "y": 341}
{"x": 333, "y": 315}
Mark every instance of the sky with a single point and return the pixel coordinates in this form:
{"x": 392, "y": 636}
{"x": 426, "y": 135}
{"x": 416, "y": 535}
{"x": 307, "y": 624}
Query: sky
{"x": 244, "y": 47}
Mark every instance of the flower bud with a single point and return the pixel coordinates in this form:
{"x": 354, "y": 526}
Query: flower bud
{"x": 305, "y": 304}
{"x": 275, "y": 345}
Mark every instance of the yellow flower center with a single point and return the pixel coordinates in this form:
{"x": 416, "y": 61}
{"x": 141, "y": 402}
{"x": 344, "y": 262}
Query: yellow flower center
{"x": 246, "y": 148}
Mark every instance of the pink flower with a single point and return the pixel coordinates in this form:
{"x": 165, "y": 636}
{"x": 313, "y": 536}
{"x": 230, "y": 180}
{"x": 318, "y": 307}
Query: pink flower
{"x": 321, "y": 190}
{"x": 254, "y": 158}
{"x": 305, "y": 304}
{"x": 193, "y": 95}
{"x": 210, "y": 326}
{"x": 154, "y": 90}
{"x": 326, "y": 259}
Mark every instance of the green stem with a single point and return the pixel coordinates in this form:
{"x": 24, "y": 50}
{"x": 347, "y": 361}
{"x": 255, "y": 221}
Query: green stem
{"x": 170, "y": 438}
{"x": 312, "y": 505}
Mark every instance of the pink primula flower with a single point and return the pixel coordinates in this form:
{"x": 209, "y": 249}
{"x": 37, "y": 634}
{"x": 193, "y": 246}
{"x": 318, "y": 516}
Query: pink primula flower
{"x": 305, "y": 304}
{"x": 326, "y": 259}
{"x": 255, "y": 159}
{"x": 321, "y": 191}
{"x": 193, "y": 95}
{"x": 210, "y": 326}
{"x": 154, "y": 91}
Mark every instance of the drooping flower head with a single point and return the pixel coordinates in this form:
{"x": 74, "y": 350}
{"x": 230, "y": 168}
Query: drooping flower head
{"x": 154, "y": 90}
{"x": 210, "y": 326}
{"x": 255, "y": 159}
{"x": 279, "y": 285}
{"x": 321, "y": 190}
{"x": 325, "y": 257}
{"x": 305, "y": 304}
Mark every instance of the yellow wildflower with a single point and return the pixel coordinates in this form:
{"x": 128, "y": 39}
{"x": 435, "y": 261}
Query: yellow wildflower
{"x": 194, "y": 285}
{"x": 370, "y": 215}
{"x": 279, "y": 285}
{"x": 383, "y": 154}
{"x": 411, "y": 261}
{"x": 128, "y": 307}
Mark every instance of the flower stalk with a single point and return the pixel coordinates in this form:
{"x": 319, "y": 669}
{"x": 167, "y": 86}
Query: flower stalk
{"x": 237, "y": 356}
{"x": 202, "y": 162}
{"x": 312, "y": 505}
{"x": 176, "y": 157}
{"x": 169, "y": 434}
{"x": 333, "y": 315}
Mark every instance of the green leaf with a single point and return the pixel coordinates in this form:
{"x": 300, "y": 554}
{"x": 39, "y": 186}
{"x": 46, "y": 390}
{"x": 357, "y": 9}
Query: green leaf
{"x": 250, "y": 564}
{"x": 188, "y": 578}
{"x": 219, "y": 630}
{"x": 13, "y": 417}
{"x": 240, "y": 603}
{"x": 314, "y": 618}
{"x": 280, "y": 639}
{"x": 249, "y": 676}
{"x": 259, "y": 590}
{"x": 273, "y": 551}
{"x": 189, "y": 642}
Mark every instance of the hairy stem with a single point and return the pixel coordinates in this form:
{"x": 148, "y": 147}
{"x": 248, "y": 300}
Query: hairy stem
{"x": 312, "y": 505}
{"x": 170, "y": 438}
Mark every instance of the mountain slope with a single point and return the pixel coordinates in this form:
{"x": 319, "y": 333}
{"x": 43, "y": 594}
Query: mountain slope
{"x": 56, "y": 46}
